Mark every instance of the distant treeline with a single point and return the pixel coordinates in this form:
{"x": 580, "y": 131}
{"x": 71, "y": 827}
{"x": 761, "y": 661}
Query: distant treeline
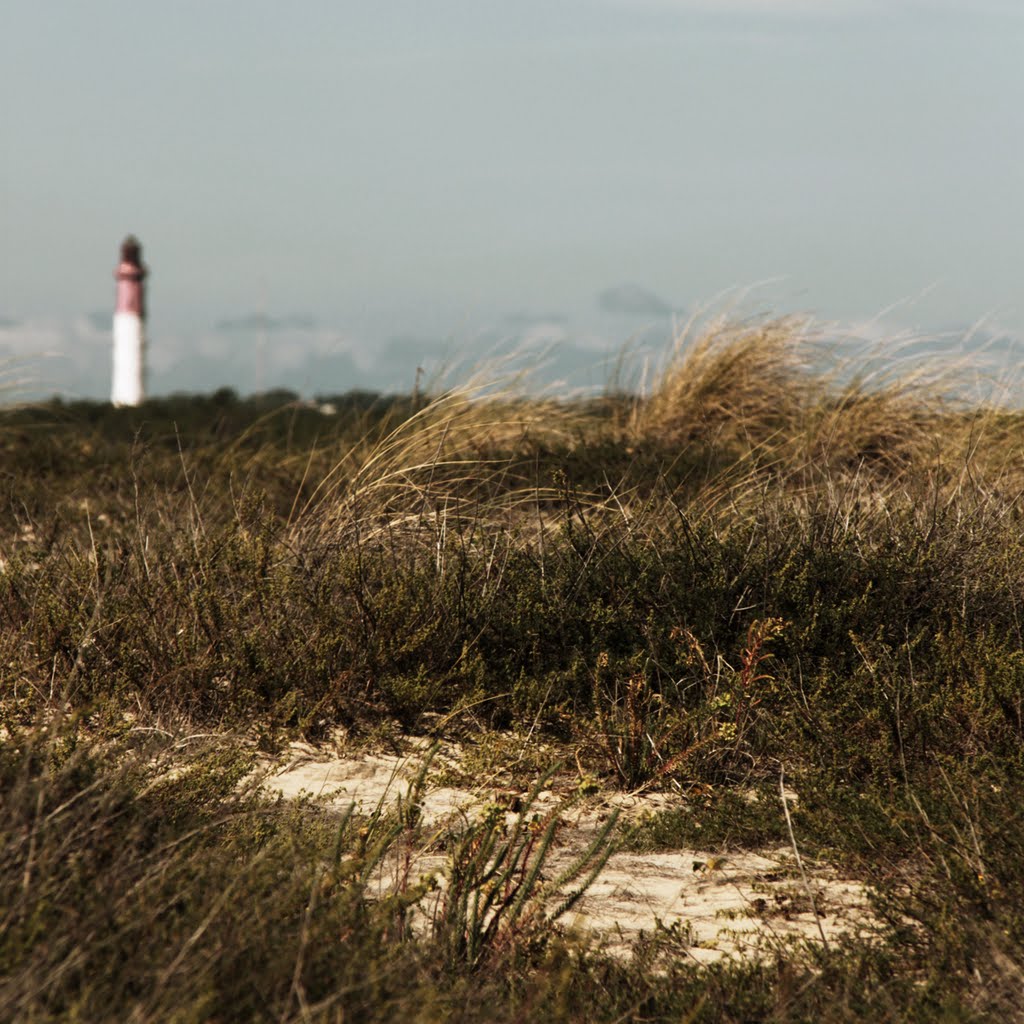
{"x": 220, "y": 414}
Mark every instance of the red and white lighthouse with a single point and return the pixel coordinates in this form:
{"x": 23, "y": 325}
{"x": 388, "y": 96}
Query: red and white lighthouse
{"x": 129, "y": 326}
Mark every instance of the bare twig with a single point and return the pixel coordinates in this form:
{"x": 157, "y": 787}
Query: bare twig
{"x": 799, "y": 861}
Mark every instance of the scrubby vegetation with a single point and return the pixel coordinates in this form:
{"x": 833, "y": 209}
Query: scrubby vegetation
{"x": 757, "y": 567}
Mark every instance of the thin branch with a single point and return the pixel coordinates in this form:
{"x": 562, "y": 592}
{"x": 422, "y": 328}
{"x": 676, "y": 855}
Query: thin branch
{"x": 799, "y": 861}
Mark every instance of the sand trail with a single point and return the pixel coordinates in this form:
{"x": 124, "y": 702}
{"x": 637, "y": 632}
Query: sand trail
{"x": 708, "y": 906}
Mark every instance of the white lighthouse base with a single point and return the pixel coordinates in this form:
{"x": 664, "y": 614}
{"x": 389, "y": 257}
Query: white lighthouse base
{"x": 129, "y": 343}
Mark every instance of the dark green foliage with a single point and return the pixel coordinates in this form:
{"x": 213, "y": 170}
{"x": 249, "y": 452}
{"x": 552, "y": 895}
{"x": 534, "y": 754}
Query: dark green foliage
{"x": 176, "y": 571}
{"x": 713, "y": 819}
{"x": 693, "y": 611}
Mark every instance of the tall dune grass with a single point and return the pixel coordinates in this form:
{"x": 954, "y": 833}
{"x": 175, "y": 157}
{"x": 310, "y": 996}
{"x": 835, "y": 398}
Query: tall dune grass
{"x": 460, "y": 459}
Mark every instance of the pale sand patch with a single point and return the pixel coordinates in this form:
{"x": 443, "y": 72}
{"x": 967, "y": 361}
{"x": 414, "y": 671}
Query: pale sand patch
{"x": 366, "y": 779}
{"x": 750, "y": 903}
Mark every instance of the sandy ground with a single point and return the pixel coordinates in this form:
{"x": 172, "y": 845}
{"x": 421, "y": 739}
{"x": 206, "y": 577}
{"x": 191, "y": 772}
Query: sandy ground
{"x": 707, "y": 906}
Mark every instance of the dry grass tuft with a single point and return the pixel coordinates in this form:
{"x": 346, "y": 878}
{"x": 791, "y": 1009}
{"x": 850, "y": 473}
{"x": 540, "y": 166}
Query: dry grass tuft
{"x": 457, "y": 462}
{"x": 726, "y": 381}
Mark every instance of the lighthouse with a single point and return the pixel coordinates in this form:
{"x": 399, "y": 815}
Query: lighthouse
{"x": 129, "y": 326}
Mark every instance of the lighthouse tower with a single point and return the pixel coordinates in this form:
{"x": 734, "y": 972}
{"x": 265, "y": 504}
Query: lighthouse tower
{"x": 129, "y": 326}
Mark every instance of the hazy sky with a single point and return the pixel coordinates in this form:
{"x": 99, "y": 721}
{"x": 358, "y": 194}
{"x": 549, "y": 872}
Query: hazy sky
{"x": 424, "y": 169}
